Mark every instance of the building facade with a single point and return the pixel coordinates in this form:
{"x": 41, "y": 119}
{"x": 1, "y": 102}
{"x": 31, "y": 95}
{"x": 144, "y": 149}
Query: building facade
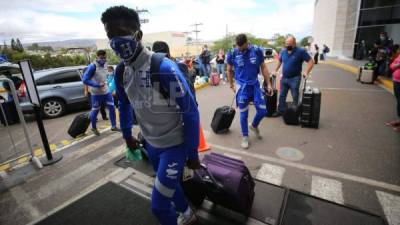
{"x": 342, "y": 24}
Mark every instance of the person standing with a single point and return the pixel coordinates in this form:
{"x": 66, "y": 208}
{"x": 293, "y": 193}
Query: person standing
{"x": 221, "y": 64}
{"x": 292, "y": 59}
{"x": 247, "y": 60}
{"x": 205, "y": 58}
{"x": 395, "y": 67}
{"x": 171, "y": 131}
{"x": 316, "y": 55}
{"x": 95, "y": 77}
{"x": 111, "y": 84}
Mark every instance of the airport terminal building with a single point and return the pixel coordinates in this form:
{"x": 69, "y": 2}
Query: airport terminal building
{"x": 342, "y": 24}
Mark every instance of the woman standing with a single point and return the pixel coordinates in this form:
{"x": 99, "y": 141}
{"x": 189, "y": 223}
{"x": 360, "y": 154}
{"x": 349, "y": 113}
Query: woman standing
{"x": 221, "y": 64}
{"x": 395, "y": 67}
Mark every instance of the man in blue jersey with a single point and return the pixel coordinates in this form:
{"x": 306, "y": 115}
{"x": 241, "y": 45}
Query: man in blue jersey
{"x": 95, "y": 77}
{"x": 171, "y": 131}
{"x": 292, "y": 59}
{"x": 247, "y": 59}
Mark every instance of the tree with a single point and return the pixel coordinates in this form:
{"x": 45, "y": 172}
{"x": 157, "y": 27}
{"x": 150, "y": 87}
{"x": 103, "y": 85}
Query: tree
{"x": 304, "y": 42}
{"x": 19, "y": 46}
{"x": 5, "y": 47}
{"x": 13, "y": 44}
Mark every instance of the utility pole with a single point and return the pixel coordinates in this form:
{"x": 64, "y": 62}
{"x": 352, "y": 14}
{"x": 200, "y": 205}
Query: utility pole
{"x": 141, "y": 11}
{"x": 196, "y": 31}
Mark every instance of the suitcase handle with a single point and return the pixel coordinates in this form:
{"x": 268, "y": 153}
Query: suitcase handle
{"x": 208, "y": 178}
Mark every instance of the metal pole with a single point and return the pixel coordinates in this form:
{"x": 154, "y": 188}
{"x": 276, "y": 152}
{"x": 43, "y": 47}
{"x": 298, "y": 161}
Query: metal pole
{"x": 8, "y": 129}
{"x": 22, "y": 120}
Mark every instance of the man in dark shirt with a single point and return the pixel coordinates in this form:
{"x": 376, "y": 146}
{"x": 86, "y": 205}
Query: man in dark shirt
{"x": 205, "y": 58}
{"x": 292, "y": 59}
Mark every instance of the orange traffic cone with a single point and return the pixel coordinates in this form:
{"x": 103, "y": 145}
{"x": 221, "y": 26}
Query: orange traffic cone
{"x": 203, "y": 146}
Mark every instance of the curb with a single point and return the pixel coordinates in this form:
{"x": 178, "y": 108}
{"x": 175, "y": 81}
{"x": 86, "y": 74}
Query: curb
{"x": 386, "y": 83}
{"x": 39, "y": 152}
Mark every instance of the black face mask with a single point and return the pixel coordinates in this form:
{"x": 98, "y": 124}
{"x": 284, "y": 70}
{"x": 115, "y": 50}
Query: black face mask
{"x": 289, "y": 48}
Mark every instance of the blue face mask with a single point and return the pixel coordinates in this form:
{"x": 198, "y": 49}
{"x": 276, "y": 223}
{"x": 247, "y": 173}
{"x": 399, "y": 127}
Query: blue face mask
{"x": 101, "y": 62}
{"x": 124, "y": 46}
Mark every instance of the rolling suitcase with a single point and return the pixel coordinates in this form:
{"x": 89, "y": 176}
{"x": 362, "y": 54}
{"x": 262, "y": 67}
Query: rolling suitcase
{"x": 271, "y": 101}
{"x": 366, "y": 76}
{"x": 291, "y": 115}
{"x": 223, "y": 118}
{"x": 228, "y": 183}
{"x": 311, "y": 107}
{"x": 79, "y": 125}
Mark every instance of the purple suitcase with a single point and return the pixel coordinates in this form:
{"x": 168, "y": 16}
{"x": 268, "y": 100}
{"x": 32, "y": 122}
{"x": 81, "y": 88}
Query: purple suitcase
{"x": 228, "y": 183}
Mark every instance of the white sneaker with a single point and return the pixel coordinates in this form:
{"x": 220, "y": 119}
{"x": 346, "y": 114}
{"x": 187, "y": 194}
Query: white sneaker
{"x": 245, "y": 142}
{"x": 187, "y": 218}
{"x": 256, "y": 131}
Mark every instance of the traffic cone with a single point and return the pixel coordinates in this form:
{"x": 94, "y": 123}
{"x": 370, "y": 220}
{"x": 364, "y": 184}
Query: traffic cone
{"x": 203, "y": 146}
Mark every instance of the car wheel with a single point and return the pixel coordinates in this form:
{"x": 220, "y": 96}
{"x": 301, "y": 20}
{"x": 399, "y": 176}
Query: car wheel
{"x": 53, "y": 108}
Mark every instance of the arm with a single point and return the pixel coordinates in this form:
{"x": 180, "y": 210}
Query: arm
{"x": 87, "y": 76}
{"x": 85, "y": 90}
{"x": 173, "y": 77}
{"x": 124, "y": 107}
{"x": 278, "y": 65}
{"x": 310, "y": 64}
{"x": 395, "y": 64}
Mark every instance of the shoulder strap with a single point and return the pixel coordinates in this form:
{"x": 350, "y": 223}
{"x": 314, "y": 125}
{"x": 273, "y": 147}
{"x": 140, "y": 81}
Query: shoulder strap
{"x": 155, "y": 63}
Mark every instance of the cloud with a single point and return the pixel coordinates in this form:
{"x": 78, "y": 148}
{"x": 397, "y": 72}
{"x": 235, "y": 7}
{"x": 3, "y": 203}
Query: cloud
{"x": 46, "y": 20}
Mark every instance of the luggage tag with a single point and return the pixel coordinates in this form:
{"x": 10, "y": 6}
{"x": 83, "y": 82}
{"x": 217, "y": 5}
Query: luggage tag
{"x": 187, "y": 174}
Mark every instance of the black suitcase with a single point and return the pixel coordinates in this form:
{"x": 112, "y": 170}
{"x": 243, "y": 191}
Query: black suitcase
{"x": 222, "y": 119}
{"x": 271, "y": 101}
{"x": 10, "y": 113}
{"x": 291, "y": 115}
{"x": 79, "y": 125}
{"x": 311, "y": 107}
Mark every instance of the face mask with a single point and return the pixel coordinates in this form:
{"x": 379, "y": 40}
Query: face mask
{"x": 289, "y": 48}
{"x": 124, "y": 47}
{"x": 101, "y": 62}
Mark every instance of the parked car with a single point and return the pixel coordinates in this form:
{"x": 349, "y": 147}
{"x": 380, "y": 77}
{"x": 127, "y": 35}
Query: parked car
{"x": 59, "y": 89}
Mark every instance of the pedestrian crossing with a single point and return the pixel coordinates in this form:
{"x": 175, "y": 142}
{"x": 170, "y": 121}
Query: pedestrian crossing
{"x": 329, "y": 189}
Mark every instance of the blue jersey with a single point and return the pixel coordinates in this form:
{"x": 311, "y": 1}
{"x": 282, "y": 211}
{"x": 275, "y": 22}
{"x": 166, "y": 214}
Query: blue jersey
{"x": 247, "y": 64}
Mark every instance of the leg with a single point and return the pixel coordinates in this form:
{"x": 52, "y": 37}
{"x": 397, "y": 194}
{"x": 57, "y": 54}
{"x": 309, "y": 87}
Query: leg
{"x": 167, "y": 188}
{"x": 244, "y": 114}
{"x": 282, "y": 95}
{"x": 110, "y": 104}
{"x": 396, "y": 86}
{"x": 103, "y": 111}
{"x": 261, "y": 113}
{"x": 96, "y": 101}
{"x": 294, "y": 85}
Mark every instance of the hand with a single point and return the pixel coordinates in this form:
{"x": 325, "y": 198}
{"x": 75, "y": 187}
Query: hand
{"x": 193, "y": 164}
{"x": 269, "y": 90}
{"x": 85, "y": 93}
{"x": 305, "y": 76}
{"x": 274, "y": 74}
{"x": 132, "y": 143}
{"x": 233, "y": 87}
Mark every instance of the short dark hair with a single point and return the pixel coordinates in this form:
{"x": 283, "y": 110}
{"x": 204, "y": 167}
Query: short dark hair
{"x": 161, "y": 46}
{"x": 101, "y": 52}
{"x": 116, "y": 17}
{"x": 110, "y": 67}
{"x": 241, "y": 39}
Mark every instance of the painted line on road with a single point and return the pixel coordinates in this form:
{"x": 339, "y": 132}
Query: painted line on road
{"x": 69, "y": 179}
{"x": 238, "y": 157}
{"x": 351, "y": 89}
{"x": 271, "y": 174}
{"x": 321, "y": 171}
{"x": 391, "y": 207}
{"x": 327, "y": 189}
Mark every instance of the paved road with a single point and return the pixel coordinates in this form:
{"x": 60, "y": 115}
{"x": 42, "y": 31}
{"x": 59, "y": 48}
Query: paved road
{"x": 352, "y": 159}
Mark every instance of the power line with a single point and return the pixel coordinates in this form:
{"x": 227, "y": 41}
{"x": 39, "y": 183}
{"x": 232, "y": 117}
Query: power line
{"x": 196, "y": 31}
{"x": 141, "y": 11}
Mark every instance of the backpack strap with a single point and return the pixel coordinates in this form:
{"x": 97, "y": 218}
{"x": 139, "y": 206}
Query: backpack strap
{"x": 155, "y": 63}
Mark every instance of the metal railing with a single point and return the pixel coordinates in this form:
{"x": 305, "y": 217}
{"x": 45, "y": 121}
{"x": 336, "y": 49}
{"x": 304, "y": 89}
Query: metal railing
{"x": 17, "y": 155}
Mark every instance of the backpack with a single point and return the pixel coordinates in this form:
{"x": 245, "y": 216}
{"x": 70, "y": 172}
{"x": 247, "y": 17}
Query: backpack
{"x": 156, "y": 60}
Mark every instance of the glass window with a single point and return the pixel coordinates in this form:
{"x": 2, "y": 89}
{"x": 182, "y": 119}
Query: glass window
{"x": 378, "y": 3}
{"x": 46, "y": 80}
{"x": 67, "y": 77}
{"x": 380, "y": 16}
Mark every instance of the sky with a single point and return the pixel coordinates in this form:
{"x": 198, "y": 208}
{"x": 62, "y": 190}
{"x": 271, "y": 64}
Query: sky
{"x": 55, "y": 20}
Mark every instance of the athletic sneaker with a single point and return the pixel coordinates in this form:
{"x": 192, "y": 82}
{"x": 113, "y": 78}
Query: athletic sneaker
{"x": 95, "y": 132}
{"x": 115, "y": 129}
{"x": 256, "y": 131}
{"x": 187, "y": 218}
{"x": 245, "y": 142}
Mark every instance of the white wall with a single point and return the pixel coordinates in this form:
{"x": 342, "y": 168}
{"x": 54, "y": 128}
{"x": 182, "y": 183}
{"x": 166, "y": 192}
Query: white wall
{"x": 324, "y": 22}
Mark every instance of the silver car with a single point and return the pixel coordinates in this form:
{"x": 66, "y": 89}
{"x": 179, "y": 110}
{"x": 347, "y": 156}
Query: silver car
{"x": 59, "y": 89}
